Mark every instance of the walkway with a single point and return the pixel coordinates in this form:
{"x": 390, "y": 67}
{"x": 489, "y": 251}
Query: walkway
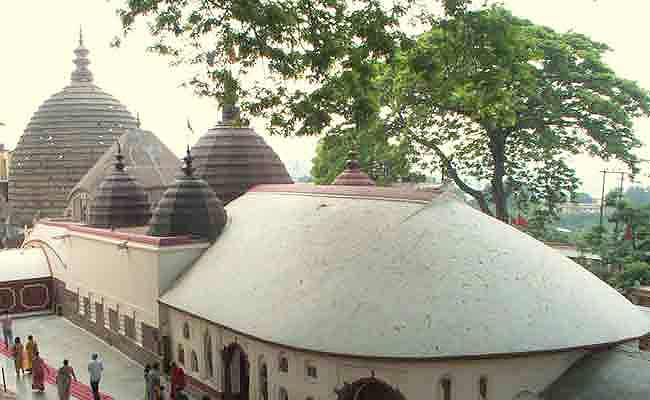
{"x": 57, "y": 339}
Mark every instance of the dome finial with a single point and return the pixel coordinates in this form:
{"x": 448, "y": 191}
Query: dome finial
{"x": 230, "y": 111}
{"x": 352, "y": 175}
{"x": 187, "y": 168}
{"x": 119, "y": 165}
{"x": 82, "y": 74}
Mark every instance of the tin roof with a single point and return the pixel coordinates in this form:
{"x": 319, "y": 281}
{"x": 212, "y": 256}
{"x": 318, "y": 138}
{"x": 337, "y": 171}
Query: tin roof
{"x": 327, "y": 269}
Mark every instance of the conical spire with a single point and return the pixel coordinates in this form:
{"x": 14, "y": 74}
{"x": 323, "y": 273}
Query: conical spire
{"x": 82, "y": 74}
{"x": 119, "y": 164}
{"x": 230, "y": 111}
{"x": 353, "y": 175}
{"x": 187, "y": 168}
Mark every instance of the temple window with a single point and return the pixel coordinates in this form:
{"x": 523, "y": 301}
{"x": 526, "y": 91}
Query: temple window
{"x": 311, "y": 370}
{"x": 181, "y": 354}
{"x": 445, "y": 388}
{"x": 482, "y": 388}
{"x": 209, "y": 366}
{"x": 283, "y": 363}
{"x": 282, "y": 394}
{"x": 186, "y": 331}
{"x": 195, "y": 362}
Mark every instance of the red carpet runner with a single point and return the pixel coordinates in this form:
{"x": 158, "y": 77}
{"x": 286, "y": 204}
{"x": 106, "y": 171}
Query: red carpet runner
{"x": 78, "y": 390}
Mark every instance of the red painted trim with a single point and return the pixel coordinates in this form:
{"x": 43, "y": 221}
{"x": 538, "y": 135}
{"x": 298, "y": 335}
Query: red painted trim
{"x": 371, "y": 192}
{"x": 412, "y": 359}
{"x": 127, "y": 236}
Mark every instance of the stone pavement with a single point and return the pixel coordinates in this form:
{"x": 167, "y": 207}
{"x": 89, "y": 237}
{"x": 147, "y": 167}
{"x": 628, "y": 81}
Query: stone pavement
{"x": 57, "y": 339}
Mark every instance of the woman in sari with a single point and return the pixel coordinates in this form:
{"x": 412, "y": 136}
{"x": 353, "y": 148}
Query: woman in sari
{"x": 38, "y": 373}
{"x": 147, "y": 394}
{"x": 18, "y": 356}
{"x": 177, "y": 380}
{"x": 31, "y": 348}
{"x": 64, "y": 380}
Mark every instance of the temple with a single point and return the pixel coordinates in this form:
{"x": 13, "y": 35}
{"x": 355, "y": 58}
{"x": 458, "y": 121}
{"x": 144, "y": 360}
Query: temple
{"x": 266, "y": 289}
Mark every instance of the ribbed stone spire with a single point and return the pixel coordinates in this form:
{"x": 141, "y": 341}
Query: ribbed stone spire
{"x": 353, "y": 175}
{"x": 189, "y": 207}
{"x": 82, "y": 74}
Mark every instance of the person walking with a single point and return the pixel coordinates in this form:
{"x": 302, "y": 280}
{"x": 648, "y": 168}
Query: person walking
{"x": 64, "y": 378}
{"x": 38, "y": 373}
{"x": 147, "y": 391}
{"x": 18, "y": 353}
{"x": 95, "y": 369}
{"x": 155, "y": 391}
{"x": 177, "y": 378}
{"x": 31, "y": 348}
{"x": 7, "y": 329}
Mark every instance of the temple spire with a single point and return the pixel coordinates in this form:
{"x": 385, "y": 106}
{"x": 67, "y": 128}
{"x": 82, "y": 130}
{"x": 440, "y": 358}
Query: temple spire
{"x": 119, "y": 164}
{"x": 230, "y": 111}
{"x": 82, "y": 74}
{"x": 187, "y": 168}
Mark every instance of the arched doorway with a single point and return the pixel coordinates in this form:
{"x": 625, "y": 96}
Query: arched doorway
{"x": 369, "y": 389}
{"x": 236, "y": 372}
{"x": 264, "y": 379}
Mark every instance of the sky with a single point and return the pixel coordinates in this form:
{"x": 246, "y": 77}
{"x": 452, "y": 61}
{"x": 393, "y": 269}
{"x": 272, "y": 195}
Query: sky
{"x": 37, "y": 39}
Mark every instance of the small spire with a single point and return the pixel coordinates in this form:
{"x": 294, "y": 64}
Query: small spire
{"x": 353, "y": 175}
{"x": 187, "y": 168}
{"x": 119, "y": 165}
{"x": 137, "y": 120}
{"x": 82, "y": 74}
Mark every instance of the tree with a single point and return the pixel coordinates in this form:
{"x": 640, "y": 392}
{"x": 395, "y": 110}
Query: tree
{"x": 385, "y": 162}
{"x": 318, "y": 56}
{"x": 499, "y": 98}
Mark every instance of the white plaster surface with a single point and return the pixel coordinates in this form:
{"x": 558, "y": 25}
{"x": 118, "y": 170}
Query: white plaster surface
{"x": 19, "y": 264}
{"x": 395, "y": 279}
{"x": 415, "y": 379}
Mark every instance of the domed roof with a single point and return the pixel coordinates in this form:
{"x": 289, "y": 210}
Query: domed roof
{"x": 381, "y": 272}
{"x": 120, "y": 201}
{"x": 232, "y": 158}
{"x": 352, "y": 175}
{"x": 189, "y": 207}
{"x": 62, "y": 141}
{"x": 148, "y": 160}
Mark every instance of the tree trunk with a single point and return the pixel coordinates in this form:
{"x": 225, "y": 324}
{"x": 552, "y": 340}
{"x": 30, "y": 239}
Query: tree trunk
{"x": 498, "y": 148}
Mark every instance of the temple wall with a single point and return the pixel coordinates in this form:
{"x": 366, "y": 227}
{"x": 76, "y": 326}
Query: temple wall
{"x": 416, "y": 380}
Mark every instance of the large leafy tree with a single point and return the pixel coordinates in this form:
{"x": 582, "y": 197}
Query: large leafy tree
{"x": 314, "y": 59}
{"x": 382, "y": 159}
{"x": 498, "y": 98}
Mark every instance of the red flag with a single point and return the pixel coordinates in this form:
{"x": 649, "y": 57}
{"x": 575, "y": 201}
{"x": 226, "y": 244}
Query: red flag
{"x": 628, "y": 232}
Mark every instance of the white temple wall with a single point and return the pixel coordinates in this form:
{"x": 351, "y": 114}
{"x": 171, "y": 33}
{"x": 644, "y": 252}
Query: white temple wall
{"x": 417, "y": 380}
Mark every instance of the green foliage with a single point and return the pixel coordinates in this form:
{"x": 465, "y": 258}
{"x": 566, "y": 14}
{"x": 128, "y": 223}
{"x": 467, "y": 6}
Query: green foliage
{"x": 330, "y": 46}
{"x": 385, "y": 162}
{"x": 499, "y": 98}
{"x": 638, "y": 196}
{"x": 635, "y": 272}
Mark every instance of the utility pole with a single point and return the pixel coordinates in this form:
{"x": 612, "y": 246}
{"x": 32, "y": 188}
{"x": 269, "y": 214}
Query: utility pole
{"x": 602, "y": 199}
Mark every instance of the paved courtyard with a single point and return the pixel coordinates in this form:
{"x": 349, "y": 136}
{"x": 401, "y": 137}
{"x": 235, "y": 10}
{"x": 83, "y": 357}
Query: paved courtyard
{"x": 58, "y": 339}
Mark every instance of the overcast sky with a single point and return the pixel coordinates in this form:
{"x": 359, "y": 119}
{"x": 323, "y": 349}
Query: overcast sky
{"x": 38, "y": 38}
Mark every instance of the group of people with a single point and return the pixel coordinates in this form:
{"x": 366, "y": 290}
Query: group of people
{"x": 27, "y": 359}
{"x": 153, "y": 383}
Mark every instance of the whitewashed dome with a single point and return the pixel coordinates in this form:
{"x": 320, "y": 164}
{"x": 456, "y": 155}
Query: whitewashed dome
{"x": 382, "y": 272}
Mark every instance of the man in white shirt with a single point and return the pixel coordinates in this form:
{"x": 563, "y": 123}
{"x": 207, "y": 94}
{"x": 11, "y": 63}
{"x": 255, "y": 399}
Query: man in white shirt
{"x": 95, "y": 368}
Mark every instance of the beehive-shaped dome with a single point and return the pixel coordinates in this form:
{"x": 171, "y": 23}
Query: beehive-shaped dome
{"x": 233, "y": 158}
{"x": 189, "y": 207}
{"x": 352, "y": 175}
{"x": 120, "y": 201}
{"x": 64, "y": 138}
